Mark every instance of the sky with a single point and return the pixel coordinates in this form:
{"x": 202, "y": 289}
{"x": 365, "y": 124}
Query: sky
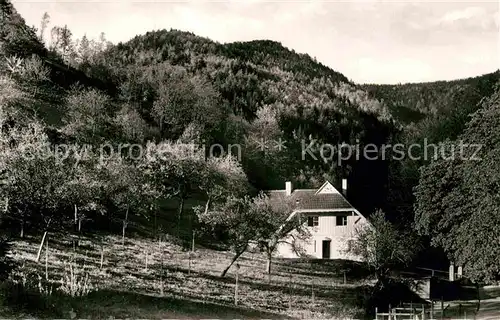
{"x": 368, "y": 41}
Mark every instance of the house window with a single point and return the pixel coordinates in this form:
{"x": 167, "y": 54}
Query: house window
{"x": 313, "y": 221}
{"x": 341, "y": 220}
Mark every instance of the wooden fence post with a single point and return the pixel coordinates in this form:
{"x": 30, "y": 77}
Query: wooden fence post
{"x": 376, "y": 313}
{"x": 190, "y": 253}
{"x": 47, "y": 260}
{"x": 312, "y": 283}
{"x": 312, "y": 292}
{"x": 236, "y": 286}
{"x": 192, "y": 243}
{"x": 432, "y": 309}
{"x": 161, "y": 269}
{"x": 442, "y": 308}
{"x": 102, "y": 253}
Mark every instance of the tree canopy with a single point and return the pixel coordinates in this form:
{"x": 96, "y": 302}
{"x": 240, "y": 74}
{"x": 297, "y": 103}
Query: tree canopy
{"x": 457, "y": 199}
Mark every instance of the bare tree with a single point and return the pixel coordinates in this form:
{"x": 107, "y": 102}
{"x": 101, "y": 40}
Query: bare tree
{"x": 383, "y": 247}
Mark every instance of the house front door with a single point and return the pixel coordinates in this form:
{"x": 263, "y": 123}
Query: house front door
{"x": 326, "y": 249}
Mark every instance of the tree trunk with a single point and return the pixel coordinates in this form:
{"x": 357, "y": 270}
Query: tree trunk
{"x": 236, "y": 256}
{"x": 47, "y": 260}
{"x": 102, "y": 254}
{"x": 123, "y": 232}
{"x": 192, "y": 242}
{"x": 155, "y": 227}
{"x": 269, "y": 262}
{"x": 41, "y": 246}
{"x": 79, "y": 231}
{"x": 207, "y": 205}
{"x": 161, "y": 271}
{"x": 76, "y": 215}
{"x": 125, "y": 222}
{"x": 23, "y": 222}
{"x": 75, "y": 242}
{"x": 179, "y": 216}
{"x": 382, "y": 281}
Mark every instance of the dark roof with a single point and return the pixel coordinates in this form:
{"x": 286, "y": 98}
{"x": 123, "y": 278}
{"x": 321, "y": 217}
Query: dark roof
{"x": 307, "y": 199}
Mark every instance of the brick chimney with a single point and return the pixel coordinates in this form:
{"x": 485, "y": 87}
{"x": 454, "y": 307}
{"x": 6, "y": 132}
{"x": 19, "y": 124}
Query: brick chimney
{"x": 288, "y": 188}
{"x": 344, "y": 187}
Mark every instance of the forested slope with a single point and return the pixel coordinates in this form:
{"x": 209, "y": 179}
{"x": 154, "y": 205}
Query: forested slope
{"x": 169, "y": 87}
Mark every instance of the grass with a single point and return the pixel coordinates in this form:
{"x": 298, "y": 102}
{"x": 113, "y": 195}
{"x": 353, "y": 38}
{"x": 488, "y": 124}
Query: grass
{"x": 177, "y": 288}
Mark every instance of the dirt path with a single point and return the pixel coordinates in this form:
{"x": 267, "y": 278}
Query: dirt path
{"x": 489, "y": 308}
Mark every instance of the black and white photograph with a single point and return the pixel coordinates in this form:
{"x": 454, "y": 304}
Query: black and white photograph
{"x": 250, "y": 159}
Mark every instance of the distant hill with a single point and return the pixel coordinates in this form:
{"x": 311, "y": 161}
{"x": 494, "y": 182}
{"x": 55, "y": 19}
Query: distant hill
{"x": 245, "y": 91}
{"x": 412, "y": 102}
{"x": 248, "y": 74}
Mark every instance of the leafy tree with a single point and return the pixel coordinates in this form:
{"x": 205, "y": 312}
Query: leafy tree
{"x": 132, "y": 126}
{"x": 37, "y": 180}
{"x": 268, "y": 162}
{"x": 84, "y": 50}
{"x": 34, "y": 77}
{"x": 276, "y": 227}
{"x": 225, "y": 177}
{"x": 62, "y": 44}
{"x": 177, "y": 170}
{"x": 16, "y": 38}
{"x": 6, "y": 262}
{"x": 11, "y": 96}
{"x": 236, "y": 218}
{"x": 84, "y": 187}
{"x": 182, "y": 101}
{"x": 246, "y": 220}
{"x": 457, "y": 196}
{"x": 88, "y": 116}
{"x": 101, "y": 44}
{"x": 43, "y": 26}
{"x": 383, "y": 247}
{"x": 124, "y": 188}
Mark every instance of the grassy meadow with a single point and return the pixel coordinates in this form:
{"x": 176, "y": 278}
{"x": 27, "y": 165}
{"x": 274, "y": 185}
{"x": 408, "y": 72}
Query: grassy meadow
{"x": 146, "y": 278}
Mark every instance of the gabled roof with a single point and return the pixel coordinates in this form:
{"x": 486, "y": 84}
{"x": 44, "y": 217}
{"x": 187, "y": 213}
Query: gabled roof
{"x": 326, "y": 197}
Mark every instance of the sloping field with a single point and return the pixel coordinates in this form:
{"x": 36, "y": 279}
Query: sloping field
{"x": 151, "y": 279}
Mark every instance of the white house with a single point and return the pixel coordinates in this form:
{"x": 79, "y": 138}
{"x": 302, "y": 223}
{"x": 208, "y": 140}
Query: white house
{"x": 330, "y": 219}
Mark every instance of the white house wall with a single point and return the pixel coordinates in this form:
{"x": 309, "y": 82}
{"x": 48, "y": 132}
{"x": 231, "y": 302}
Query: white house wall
{"x": 326, "y": 230}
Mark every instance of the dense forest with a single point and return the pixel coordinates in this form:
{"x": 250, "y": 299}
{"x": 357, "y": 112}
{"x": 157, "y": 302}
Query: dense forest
{"x": 168, "y": 88}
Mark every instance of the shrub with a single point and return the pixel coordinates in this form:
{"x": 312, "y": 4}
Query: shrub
{"x": 17, "y": 296}
{"x": 76, "y": 282}
{"x": 28, "y": 292}
{"x": 6, "y": 263}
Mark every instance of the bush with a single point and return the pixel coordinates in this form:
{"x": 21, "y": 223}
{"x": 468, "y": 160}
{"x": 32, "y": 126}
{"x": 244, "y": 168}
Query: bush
{"x": 6, "y": 263}
{"x": 27, "y": 297}
{"x": 27, "y": 291}
{"x": 76, "y": 282}
{"x": 15, "y": 295}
